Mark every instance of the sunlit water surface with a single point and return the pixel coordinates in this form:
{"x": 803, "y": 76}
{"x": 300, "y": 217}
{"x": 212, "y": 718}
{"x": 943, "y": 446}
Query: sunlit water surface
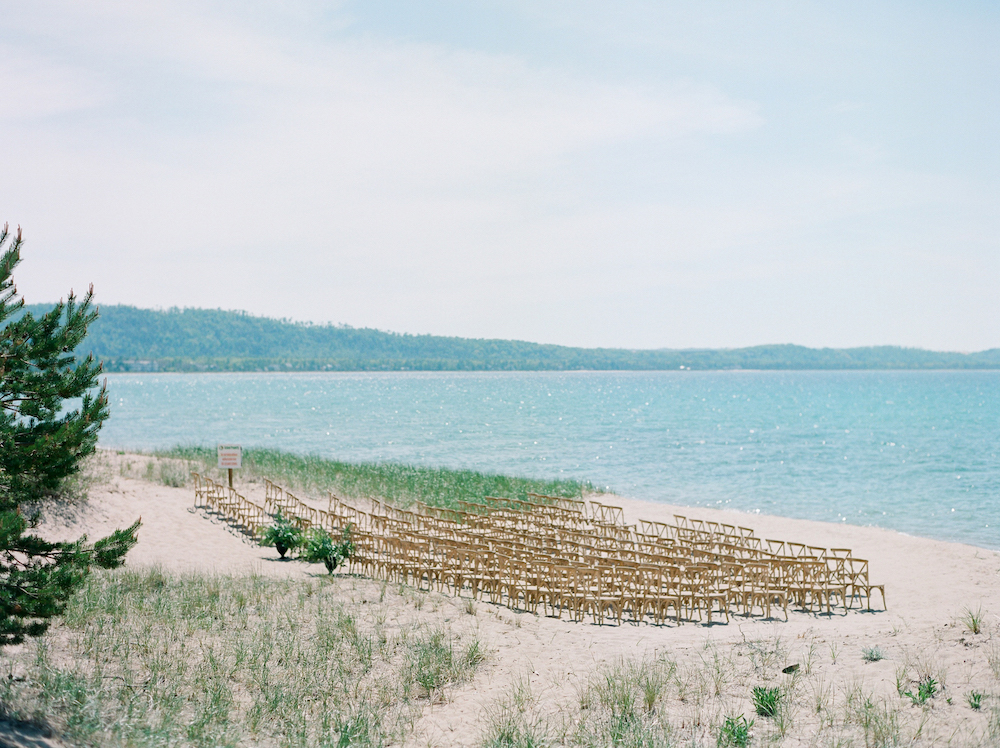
{"x": 913, "y": 451}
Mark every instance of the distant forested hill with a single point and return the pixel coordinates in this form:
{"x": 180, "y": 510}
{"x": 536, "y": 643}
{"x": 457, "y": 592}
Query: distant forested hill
{"x": 127, "y": 338}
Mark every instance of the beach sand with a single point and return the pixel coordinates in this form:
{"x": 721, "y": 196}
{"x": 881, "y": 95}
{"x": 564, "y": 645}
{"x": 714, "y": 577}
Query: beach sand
{"x": 929, "y": 585}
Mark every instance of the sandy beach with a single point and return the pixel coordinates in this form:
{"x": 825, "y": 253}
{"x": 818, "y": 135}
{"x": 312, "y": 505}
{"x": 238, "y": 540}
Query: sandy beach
{"x": 547, "y": 663}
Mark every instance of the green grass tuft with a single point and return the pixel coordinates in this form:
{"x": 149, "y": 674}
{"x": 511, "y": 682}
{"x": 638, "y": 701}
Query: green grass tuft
{"x": 973, "y": 620}
{"x": 735, "y": 732}
{"x": 765, "y": 700}
{"x": 872, "y": 654}
{"x": 879, "y": 723}
{"x": 927, "y": 687}
{"x": 435, "y": 664}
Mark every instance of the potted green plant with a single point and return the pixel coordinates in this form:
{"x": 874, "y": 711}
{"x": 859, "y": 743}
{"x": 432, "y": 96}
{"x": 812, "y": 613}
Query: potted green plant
{"x": 319, "y": 546}
{"x": 282, "y": 534}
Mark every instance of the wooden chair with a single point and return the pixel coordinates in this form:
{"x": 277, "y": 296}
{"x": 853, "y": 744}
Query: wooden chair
{"x": 857, "y": 572}
{"x": 761, "y": 587}
{"x": 575, "y": 596}
{"x": 701, "y": 588}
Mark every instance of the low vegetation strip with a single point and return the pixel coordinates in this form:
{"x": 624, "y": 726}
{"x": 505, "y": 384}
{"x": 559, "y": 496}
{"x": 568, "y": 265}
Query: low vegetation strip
{"x": 399, "y": 484}
{"x": 150, "y": 658}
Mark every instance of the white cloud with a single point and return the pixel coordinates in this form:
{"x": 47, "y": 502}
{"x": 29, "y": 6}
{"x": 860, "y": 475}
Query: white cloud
{"x": 36, "y": 88}
{"x": 294, "y": 132}
{"x": 268, "y": 158}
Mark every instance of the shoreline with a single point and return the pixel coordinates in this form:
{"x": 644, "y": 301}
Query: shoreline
{"x": 689, "y": 509}
{"x": 693, "y": 510}
{"x": 478, "y": 372}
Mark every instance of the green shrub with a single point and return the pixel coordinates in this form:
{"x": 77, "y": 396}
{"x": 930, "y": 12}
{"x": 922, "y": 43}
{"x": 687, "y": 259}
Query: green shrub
{"x": 282, "y": 534}
{"x": 318, "y": 547}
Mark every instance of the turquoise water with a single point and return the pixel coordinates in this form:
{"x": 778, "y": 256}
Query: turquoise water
{"x": 912, "y": 451}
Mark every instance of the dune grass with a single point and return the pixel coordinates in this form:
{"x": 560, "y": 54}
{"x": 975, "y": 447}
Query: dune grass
{"x": 656, "y": 701}
{"x": 400, "y": 484}
{"x": 147, "y": 658}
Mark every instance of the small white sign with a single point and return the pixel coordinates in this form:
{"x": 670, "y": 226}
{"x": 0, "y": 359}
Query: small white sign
{"x": 230, "y": 456}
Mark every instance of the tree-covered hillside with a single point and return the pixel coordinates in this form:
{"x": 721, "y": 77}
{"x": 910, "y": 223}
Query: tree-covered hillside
{"x": 127, "y": 338}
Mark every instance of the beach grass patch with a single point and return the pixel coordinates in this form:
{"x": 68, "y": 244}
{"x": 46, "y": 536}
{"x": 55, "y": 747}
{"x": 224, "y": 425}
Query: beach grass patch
{"x": 434, "y": 663}
{"x": 620, "y": 708}
{"x": 822, "y": 696}
{"x": 506, "y": 726}
{"x": 765, "y": 654}
{"x": 879, "y": 722}
{"x": 173, "y": 474}
{"x": 397, "y": 483}
{"x": 993, "y": 658}
{"x": 145, "y": 657}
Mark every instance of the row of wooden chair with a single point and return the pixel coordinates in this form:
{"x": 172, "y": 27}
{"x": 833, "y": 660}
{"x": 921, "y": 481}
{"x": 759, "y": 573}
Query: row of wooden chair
{"x": 814, "y": 579}
{"x": 224, "y": 501}
{"x": 567, "y": 556}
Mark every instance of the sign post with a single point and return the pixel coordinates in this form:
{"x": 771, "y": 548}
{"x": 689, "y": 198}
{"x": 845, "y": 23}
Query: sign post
{"x": 230, "y": 457}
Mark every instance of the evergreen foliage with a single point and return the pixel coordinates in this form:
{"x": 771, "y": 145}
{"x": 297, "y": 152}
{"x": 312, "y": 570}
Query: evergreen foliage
{"x": 41, "y": 444}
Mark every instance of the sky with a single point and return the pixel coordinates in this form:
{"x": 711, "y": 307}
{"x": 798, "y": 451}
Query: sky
{"x": 628, "y": 174}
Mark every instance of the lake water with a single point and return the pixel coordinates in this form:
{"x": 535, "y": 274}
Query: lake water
{"x": 912, "y": 451}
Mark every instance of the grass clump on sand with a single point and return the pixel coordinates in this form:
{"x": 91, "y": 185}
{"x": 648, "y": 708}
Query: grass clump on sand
{"x": 927, "y": 688}
{"x": 147, "y": 658}
{"x": 623, "y": 705}
{"x": 878, "y": 721}
{"x": 973, "y": 620}
{"x": 397, "y": 483}
{"x": 434, "y": 662}
{"x": 766, "y": 700}
{"x": 872, "y": 654}
{"x": 735, "y": 732}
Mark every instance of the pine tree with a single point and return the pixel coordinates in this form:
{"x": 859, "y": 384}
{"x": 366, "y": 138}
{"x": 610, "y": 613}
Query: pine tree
{"x": 43, "y": 439}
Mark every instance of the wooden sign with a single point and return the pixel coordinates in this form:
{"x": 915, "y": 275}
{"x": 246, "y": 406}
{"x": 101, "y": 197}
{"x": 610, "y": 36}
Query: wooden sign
{"x": 230, "y": 456}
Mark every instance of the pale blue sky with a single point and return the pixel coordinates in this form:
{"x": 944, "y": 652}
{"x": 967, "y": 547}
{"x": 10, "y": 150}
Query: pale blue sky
{"x": 628, "y": 174}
